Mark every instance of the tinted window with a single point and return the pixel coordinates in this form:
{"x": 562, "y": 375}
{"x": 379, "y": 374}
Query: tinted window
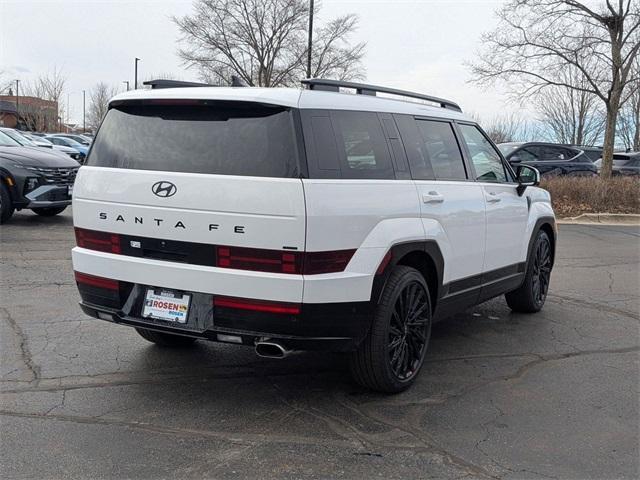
{"x": 362, "y": 145}
{"x": 440, "y": 149}
{"x": 229, "y": 138}
{"x": 486, "y": 160}
{"x": 414, "y": 147}
{"x": 528, "y": 154}
{"x": 556, "y": 154}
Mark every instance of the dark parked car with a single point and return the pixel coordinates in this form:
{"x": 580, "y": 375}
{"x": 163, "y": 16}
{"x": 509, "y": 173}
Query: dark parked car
{"x": 594, "y": 153}
{"x": 34, "y": 178}
{"x": 549, "y": 158}
{"x": 627, "y": 164}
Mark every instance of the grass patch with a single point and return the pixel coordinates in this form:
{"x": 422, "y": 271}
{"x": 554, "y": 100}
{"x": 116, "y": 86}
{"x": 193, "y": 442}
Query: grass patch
{"x": 572, "y": 196}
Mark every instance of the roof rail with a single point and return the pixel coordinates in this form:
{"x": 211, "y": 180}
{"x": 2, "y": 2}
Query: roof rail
{"x": 173, "y": 84}
{"x": 364, "y": 89}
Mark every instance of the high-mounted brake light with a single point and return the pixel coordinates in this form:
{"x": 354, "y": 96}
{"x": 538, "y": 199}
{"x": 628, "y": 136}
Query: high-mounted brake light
{"x": 101, "y": 241}
{"x": 257, "y": 305}
{"x": 98, "y": 282}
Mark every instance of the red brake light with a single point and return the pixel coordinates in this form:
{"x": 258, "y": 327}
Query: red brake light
{"x": 326, "y": 262}
{"x": 257, "y": 305}
{"x": 260, "y": 260}
{"x": 279, "y": 261}
{"x": 99, "y": 282}
{"x": 101, "y": 241}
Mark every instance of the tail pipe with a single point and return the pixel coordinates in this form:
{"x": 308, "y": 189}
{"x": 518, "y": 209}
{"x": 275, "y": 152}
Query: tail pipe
{"x": 271, "y": 349}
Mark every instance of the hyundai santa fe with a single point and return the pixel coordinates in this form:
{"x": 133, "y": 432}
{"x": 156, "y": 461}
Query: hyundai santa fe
{"x": 311, "y": 219}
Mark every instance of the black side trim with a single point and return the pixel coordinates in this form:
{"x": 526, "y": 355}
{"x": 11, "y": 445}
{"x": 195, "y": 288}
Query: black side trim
{"x": 401, "y": 250}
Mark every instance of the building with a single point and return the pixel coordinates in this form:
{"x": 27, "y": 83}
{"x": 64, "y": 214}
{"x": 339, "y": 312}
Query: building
{"x": 29, "y": 113}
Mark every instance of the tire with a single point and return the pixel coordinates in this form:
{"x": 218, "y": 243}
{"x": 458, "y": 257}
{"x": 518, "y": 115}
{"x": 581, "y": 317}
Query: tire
{"x": 48, "y": 212}
{"x": 531, "y": 295}
{"x": 166, "y": 339}
{"x": 6, "y": 205}
{"x": 377, "y": 365}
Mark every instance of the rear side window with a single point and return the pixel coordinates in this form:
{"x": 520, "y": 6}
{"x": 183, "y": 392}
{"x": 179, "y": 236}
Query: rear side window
{"x": 362, "y": 145}
{"x": 441, "y": 150}
{"x": 227, "y": 138}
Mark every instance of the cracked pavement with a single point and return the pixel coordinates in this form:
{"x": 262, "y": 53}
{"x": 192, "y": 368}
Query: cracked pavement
{"x": 501, "y": 395}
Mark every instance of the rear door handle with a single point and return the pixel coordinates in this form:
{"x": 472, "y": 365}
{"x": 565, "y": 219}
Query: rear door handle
{"x": 492, "y": 197}
{"x": 432, "y": 197}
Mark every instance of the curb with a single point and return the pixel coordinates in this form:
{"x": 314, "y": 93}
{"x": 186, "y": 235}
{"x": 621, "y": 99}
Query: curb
{"x": 602, "y": 219}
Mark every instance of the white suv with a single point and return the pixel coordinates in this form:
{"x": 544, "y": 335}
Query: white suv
{"x": 310, "y": 219}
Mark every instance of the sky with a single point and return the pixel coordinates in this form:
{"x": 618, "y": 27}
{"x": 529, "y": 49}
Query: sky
{"x": 418, "y": 45}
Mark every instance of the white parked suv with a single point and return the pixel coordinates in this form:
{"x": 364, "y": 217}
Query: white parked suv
{"x": 289, "y": 219}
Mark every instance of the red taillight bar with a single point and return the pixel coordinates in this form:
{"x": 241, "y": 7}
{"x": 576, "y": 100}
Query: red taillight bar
{"x": 280, "y": 261}
{"x": 99, "y": 282}
{"x": 257, "y": 305}
{"x": 100, "y": 241}
{"x": 241, "y": 258}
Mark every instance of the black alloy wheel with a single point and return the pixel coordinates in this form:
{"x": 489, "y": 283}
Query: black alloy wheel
{"x": 409, "y": 330}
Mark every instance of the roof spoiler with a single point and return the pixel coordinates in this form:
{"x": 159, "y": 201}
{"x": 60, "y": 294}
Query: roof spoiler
{"x": 365, "y": 89}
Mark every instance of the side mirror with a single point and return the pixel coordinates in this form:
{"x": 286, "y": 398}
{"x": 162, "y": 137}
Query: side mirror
{"x": 515, "y": 159}
{"x": 527, "y": 177}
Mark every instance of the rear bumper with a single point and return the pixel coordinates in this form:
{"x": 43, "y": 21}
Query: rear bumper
{"x": 338, "y": 327}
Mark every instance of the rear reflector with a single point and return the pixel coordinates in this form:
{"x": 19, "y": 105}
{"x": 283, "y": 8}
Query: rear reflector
{"x": 98, "y": 282}
{"x": 257, "y": 305}
{"x": 101, "y": 241}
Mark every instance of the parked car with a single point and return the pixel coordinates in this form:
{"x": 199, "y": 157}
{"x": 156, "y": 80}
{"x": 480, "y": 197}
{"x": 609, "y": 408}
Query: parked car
{"x": 68, "y": 142}
{"x": 287, "y": 219}
{"x": 34, "y": 178}
{"x": 81, "y": 139}
{"x": 593, "y": 152}
{"x": 549, "y": 158}
{"x": 27, "y": 140}
{"x": 43, "y": 142}
{"x": 624, "y": 164}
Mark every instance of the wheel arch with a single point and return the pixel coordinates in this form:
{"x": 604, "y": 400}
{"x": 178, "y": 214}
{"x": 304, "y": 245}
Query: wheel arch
{"x": 547, "y": 225}
{"x": 424, "y": 256}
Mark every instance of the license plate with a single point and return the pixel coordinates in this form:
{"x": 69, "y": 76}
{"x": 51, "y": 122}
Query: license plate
{"x": 166, "y": 305}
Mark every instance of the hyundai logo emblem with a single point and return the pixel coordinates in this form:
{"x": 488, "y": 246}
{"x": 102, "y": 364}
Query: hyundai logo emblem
{"x": 164, "y": 189}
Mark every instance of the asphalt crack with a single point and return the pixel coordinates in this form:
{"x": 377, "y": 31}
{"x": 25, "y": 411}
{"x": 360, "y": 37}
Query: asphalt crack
{"x": 25, "y": 353}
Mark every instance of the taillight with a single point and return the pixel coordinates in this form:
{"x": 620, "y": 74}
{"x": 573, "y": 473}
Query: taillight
{"x": 257, "y": 305}
{"x": 278, "y": 261}
{"x": 101, "y": 241}
{"x": 98, "y": 282}
{"x": 260, "y": 260}
{"x": 326, "y": 262}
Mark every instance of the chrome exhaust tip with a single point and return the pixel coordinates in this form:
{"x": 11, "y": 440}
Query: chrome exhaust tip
{"x": 271, "y": 350}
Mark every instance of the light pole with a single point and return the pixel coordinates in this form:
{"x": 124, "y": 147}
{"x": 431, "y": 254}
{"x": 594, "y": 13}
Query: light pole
{"x": 84, "y": 112}
{"x": 135, "y": 83}
{"x": 310, "y": 39}
{"x": 17, "y": 103}
{"x": 127, "y": 82}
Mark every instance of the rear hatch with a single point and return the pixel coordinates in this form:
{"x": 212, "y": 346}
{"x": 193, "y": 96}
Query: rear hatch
{"x": 197, "y": 174}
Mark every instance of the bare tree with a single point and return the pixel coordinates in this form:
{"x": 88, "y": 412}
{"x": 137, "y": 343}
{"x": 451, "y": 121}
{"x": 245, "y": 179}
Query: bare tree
{"x": 570, "y": 115}
{"x": 629, "y": 119}
{"x": 49, "y": 86}
{"x": 509, "y": 128}
{"x": 99, "y": 98}
{"x": 537, "y": 39}
{"x": 264, "y": 42}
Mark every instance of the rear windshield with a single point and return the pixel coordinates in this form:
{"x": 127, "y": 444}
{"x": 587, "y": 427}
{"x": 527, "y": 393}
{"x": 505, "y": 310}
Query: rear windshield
{"x": 227, "y": 138}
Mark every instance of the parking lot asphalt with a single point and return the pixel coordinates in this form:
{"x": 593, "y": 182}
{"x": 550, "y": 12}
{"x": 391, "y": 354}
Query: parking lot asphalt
{"x": 501, "y": 395}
